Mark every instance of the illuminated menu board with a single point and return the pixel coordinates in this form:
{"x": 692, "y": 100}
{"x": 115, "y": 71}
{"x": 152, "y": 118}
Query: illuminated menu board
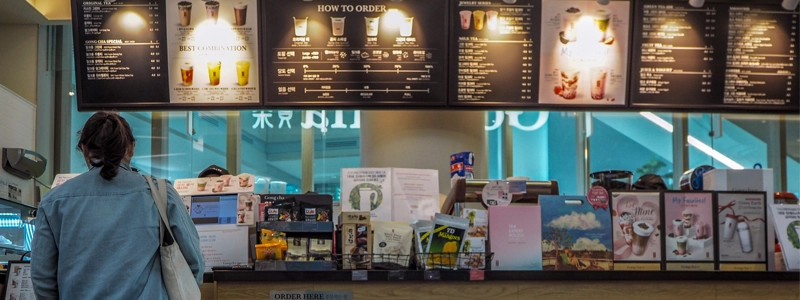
{"x": 355, "y": 53}
{"x": 539, "y": 53}
{"x": 728, "y": 56}
{"x": 139, "y": 54}
{"x": 494, "y": 52}
{"x": 584, "y": 53}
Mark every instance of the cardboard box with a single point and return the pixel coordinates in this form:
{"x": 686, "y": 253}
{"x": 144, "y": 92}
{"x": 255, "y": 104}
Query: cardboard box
{"x": 747, "y": 180}
{"x": 356, "y": 240}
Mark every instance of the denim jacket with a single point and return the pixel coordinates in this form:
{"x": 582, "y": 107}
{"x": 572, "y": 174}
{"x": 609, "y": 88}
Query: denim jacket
{"x": 98, "y": 239}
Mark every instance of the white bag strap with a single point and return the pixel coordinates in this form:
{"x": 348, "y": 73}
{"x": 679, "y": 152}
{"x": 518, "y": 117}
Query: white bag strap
{"x": 160, "y": 198}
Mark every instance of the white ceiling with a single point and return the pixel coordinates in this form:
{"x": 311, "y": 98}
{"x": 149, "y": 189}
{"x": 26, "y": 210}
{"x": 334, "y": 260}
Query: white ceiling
{"x": 22, "y": 12}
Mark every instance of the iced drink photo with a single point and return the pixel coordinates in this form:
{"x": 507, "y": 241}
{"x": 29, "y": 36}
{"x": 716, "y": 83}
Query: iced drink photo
{"x": 570, "y": 19}
{"x": 681, "y": 240}
{"x": 337, "y": 25}
{"x": 219, "y": 185}
{"x": 372, "y": 25}
{"x": 405, "y": 26}
{"x": 677, "y": 227}
{"x": 243, "y": 72}
{"x": 300, "y": 26}
{"x": 201, "y": 185}
{"x": 569, "y": 84}
{"x": 598, "y": 79}
{"x": 601, "y": 19}
{"x": 478, "y": 16}
{"x": 187, "y": 73}
{"x": 466, "y": 18}
{"x": 213, "y": 72}
{"x": 641, "y": 236}
{"x": 626, "y": 224}
{"x": 491, "y": 20}
{"x": 240, "y": 14}
{"x": 185, "y": 11}
{"x": 244, "y": 180}
{"x": 212, "y": 11}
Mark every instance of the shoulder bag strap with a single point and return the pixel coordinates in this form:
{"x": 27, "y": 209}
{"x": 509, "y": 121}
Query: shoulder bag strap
{"x": 160, "y": 198}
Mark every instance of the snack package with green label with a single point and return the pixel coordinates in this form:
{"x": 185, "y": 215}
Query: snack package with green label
{"x": 445, "y": 241}
{"x": 422, "y": 234}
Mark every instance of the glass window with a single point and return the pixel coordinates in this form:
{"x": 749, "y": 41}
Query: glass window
{"x": 140, "y": 124}
{"x": 637, "y": 142}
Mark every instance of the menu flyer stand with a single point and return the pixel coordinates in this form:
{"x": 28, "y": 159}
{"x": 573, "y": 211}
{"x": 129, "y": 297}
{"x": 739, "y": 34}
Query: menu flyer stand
{"x": 18, "y": 284}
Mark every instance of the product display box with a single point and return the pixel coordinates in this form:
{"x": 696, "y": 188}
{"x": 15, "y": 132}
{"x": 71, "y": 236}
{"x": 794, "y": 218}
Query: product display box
{"x": 637, "y": 231}
{"x": 746, "y": 180}
{"x": 474, "y": 239}
{"x": 742, "y": 231}
{"x": 689, "y": 239}
{"x": 576, "y": 235}
{"x": 515, "y": 237}
{"x": 356, "y": 240}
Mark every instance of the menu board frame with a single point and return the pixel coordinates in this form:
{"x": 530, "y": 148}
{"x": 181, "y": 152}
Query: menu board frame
{"x": 268, "y": 43}
{"x": 165, "y": 105}
{"x": 634, "y": 104}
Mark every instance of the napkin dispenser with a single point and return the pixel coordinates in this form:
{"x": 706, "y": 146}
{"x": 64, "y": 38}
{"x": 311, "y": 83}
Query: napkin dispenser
{"x": 23, "y": 163}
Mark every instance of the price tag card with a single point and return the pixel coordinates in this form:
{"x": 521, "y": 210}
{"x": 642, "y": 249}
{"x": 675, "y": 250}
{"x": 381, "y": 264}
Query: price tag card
{"x": 397, "y": 275}
{"x": 432, "y": 275}
{"x": 360, "y": 275}
{"x": 476, "y": 274}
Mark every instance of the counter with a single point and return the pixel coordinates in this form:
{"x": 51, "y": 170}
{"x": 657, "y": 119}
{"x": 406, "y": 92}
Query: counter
{"x": 387, "y": 285}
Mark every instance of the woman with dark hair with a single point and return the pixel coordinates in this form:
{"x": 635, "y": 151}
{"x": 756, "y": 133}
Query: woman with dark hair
{"x": 97, "y": 235}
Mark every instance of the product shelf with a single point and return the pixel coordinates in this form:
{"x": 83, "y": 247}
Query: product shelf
{"x": 464, "y": 275}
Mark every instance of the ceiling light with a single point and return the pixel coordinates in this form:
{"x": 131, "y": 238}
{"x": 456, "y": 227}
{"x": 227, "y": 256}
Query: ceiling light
{"x": 697, "y": 3}
{"x": 790, "y": 4}
{"x": 603, "y": 2}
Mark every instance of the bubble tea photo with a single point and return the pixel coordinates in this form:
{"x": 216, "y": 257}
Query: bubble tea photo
{"x": 185, "y": 12}
{"x": 187, "y": 73}
{"x": 213, "y": 72}
{"x": 212, "y": 11}
{"x": 240, "y": 14}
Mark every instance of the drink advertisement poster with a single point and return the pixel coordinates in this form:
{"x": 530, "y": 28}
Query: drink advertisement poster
{"x": 742, "y": 227}
{"x": 637, "y": 223}
{"x": 213, "y": 51}
{"x": 787, "y": 225}
{"x": 689, "y": 219}
{"x": 584, "y": 53}
{"x": 368, "y": 189}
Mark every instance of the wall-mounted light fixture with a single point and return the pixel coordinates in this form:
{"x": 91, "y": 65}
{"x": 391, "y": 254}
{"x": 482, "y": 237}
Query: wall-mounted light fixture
{"x": 697, "y": 3}
{"x": 790, "y": 4}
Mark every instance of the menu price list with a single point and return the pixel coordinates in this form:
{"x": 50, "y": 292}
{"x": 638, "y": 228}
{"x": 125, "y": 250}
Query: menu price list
{"x": 120, "y": 52}
{"x": 762, "y": 57}
{"x": 353, "y": 53}
{"x": 715, "y": 56}
{"x": 494, "y": 55}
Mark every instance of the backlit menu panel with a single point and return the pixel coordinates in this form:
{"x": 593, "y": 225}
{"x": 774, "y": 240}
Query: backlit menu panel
{"x": 715, "y": 56}
{"x": 120, "y": 52}
{"x": 165, "y": 54}
{"x": 364, "y": 53}
{"x": 213, "y": 51}
{"x": 494, "y": 52}
{"x": 584, "y": 53}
